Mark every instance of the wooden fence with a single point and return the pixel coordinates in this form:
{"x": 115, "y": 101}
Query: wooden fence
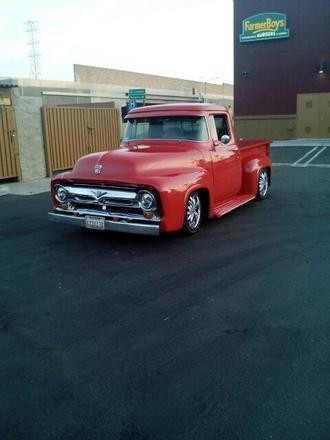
{"x": 9, "y": 156}
{"x": 72, "y": 132}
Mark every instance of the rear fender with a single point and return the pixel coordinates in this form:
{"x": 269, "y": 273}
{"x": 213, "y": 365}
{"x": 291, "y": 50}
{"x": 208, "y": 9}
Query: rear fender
{"x": 251, "y": 171}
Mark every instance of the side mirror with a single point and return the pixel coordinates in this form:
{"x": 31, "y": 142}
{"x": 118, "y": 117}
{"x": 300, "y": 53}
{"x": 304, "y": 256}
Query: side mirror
{"x": 225, "y": 139}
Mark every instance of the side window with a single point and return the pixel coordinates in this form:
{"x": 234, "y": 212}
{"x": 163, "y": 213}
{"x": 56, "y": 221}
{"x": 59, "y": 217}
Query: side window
{"x": 221, "y": 125}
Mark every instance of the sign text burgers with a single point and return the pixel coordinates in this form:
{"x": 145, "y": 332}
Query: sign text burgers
{"x": 266, "y": 26}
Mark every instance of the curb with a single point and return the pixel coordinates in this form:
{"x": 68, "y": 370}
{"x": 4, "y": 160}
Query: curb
{"x": 4, "y": 190}
{"x": 28, "y": 188}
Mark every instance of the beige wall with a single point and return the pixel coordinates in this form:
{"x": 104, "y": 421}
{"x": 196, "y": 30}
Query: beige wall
{"x": 102, "y": 75}
{"x": 29, "y": 96}
{"x": 266, "y": 127}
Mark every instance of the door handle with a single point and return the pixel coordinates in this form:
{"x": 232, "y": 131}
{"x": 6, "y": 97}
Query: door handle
{"x": 12, "y": 135}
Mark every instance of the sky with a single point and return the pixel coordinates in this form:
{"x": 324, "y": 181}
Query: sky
{"x": 191, "y": 39}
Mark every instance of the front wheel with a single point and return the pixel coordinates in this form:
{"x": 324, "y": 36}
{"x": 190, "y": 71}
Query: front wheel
{"x": 263, "y": 185}
{"x": 193, "y": 214}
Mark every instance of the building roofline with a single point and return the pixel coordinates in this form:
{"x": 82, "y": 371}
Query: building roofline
{"x": 153, "y": 75}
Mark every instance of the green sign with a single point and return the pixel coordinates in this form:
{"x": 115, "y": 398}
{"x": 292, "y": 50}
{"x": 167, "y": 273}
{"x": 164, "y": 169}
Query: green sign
{"x": 266, "y": 26}
{"x": 135, "y": 94}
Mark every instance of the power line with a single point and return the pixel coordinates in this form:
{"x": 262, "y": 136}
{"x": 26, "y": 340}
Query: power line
{"x": 31, "y": 29}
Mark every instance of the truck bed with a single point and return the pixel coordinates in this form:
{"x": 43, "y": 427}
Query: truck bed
{"x": 242, "y": 145}
{"x": 248, "y": 149}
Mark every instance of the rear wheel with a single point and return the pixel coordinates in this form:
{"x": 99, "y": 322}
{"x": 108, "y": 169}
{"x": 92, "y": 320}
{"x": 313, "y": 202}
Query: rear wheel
{"x": 263, "y": 184}
{"x": 193, "y": 214}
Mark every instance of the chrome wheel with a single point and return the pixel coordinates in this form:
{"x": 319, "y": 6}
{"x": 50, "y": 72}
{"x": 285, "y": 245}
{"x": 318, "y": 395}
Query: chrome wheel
{"x": 193, "y": 212}
{"x": 263, "y": 184}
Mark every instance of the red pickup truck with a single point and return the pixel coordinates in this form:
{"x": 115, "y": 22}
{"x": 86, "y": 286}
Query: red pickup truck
{"x": 178, "y": 164}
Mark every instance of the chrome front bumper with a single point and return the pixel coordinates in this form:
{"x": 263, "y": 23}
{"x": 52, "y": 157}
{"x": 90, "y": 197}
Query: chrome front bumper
{"x": 116, "y": 226}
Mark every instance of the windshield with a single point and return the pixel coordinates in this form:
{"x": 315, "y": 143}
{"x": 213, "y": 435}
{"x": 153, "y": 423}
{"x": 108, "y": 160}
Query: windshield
{"x": 192, "y": 128}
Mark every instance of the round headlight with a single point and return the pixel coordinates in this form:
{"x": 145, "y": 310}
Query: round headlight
{"x": 61, "y": 194}
{"x": 147, "y": 200}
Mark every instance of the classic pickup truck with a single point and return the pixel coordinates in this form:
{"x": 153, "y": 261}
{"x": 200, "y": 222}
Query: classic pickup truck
{"x": 178, "y": 164}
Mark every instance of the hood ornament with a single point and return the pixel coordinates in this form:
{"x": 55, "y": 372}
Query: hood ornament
{"x": 98, "y": 194}
{"x": 140, "y": 147}
{"x": 98, "y": 169}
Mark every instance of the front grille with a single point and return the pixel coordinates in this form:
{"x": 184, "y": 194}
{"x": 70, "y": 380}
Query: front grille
{"x": 120, "y": 202}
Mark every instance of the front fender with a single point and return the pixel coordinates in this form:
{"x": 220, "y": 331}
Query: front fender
{"x": 174, "y": 197}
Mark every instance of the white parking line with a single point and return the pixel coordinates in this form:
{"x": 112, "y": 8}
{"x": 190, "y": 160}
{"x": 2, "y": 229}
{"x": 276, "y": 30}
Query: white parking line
{"x": 315, "y": 156}
{"x": 303, "y": 157}
{"x": 307, "y": 159}
{"x": 301, "y": 165}
{"x": 319, "y": 165}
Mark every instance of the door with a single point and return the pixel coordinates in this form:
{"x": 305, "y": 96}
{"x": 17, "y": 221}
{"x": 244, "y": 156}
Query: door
{"x": 9, "y": 156}
{"x": 227, "y": 173}
{"x": 313, "y": 115}
{"x": 325, "y": 115}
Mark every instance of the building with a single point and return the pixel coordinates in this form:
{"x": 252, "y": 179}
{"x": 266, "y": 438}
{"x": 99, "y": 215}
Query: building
{"x": 282, "y": 68}
{"x": 46, "y": 125}
{"x": 159, "y": 89}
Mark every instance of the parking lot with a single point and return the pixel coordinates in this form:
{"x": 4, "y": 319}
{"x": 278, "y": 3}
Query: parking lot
{"x": 302, "y": 156}
{"x": 223, "y": 335}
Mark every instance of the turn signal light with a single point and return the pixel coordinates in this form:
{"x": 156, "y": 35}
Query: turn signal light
{"x": 148, "y": 214}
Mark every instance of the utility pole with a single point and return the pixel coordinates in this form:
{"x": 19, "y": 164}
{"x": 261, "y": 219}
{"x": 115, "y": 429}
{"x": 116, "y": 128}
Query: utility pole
{"x": 31, "y": 29}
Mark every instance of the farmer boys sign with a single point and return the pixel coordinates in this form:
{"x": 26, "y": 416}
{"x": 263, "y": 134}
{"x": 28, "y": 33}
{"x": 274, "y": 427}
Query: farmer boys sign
{"x": 266, "y": 26}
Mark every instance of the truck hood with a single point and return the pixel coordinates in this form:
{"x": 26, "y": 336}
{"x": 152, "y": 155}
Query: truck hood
{"x": 135, "y": 163}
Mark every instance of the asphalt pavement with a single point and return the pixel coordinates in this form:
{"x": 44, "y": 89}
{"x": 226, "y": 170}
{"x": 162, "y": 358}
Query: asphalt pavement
{"x": 223, "y": 335}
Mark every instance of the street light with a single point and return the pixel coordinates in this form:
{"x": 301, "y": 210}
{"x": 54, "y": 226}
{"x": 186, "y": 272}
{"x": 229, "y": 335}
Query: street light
{"x": 205, "y": 85}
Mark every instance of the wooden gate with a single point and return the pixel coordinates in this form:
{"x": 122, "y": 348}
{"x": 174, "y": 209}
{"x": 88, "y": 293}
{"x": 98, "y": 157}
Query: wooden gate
{"x": 9, "y": 155}
{"x": 72, "y": 132}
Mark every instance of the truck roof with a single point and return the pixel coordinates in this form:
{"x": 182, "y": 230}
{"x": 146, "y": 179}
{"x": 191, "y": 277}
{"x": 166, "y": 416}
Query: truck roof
{"x": 186, "y": 106}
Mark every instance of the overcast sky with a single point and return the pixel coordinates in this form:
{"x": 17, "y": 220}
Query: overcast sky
{"x": 181, "y": 38}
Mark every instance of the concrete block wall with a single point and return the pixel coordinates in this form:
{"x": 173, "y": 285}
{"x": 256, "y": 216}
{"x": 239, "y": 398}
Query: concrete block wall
{"x": 29, "y": 96}
{"x": 30, "y": 136}
{"x": 266, "y": 127}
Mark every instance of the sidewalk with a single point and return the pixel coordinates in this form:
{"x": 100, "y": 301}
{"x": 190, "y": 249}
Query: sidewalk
{"x": 25, "y": 188}
{"x": 302, "y": 143}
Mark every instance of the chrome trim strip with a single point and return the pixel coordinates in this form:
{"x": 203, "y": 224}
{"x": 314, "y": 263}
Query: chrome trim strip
{"x": 98, "y": 193}
{"x": 125, "y": 216}
{"x": 133, "y": 228}
{"x": 104, "y": 186}
{"x": 102, "y": 201}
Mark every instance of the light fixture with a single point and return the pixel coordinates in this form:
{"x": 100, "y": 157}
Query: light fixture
{"x": 61, "y": 194}
{"x": 321, "y": 68}
{"x": 147, "y": 200}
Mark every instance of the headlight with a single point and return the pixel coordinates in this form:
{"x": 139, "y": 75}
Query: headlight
{"x": 61, "y": 194}
{"x": 147, "y": 200}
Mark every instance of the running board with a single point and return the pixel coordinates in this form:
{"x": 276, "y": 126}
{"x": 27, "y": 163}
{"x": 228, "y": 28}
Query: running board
{"x": 231, "y": 204}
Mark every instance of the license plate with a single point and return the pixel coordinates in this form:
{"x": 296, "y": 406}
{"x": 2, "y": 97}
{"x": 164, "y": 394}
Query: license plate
{"x": 95, "y": 223}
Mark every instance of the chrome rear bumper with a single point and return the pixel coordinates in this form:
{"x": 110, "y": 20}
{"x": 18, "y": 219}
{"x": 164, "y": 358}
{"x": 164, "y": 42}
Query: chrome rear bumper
{"x": 116, "y": 226}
